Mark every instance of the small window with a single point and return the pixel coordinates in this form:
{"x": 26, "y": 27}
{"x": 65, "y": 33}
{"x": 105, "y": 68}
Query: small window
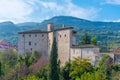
{"x": 42, "y": 35}
{"x": 29, "y": 35}
{"x": 23, "y": 35}
{"x": 29, "y": 43}
{"x": 60, "y": 35}
{"x": 35, "y": 44}
{"x": 65, "y": 35}
{"x": 35, "y": 35}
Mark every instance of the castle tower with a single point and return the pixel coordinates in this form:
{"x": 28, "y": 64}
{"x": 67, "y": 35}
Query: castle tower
{"x": 50, "y": 27}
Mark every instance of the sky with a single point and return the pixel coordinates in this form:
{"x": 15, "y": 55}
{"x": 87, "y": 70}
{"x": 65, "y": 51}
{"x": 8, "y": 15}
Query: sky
{"x": 19, "y": 11}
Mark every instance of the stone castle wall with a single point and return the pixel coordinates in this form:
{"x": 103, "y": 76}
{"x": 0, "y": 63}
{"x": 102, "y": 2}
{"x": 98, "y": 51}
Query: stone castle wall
{"x": 33, "y": 41}
{"x": 63, "y": 44}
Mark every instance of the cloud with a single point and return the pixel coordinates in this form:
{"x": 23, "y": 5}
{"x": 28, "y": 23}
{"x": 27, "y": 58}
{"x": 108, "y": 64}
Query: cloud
{"x": 15, "y": 10}
{"x": 118, "y": 20}
{"x": 38, "y": 10}
{"x": 69, "y": 9}
{"x": 113, "y": 2}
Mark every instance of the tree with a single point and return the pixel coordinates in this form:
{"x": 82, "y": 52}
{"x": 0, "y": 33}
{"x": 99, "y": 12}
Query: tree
{"x": 53, "y": 65}
{"x": 106, "y": 66}
{"x": 85, "y": 39}
{"x": 79, "y": 67}
{"x": 94, "y": 40}
{"x": 66, "y": 72}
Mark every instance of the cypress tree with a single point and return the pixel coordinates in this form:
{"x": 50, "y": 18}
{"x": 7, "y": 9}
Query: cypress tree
{"x": 53, "y": 66}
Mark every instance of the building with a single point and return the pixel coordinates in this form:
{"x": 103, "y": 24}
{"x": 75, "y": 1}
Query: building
{"x": 41, "y": 41}
{"x": 4, "y": 45}
{"x": 85, "y": 51}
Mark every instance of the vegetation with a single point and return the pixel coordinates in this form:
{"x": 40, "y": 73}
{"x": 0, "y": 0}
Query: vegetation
{"x": 86, "y": 39}
{"x": 16, "y": 67}
{"x": 53, "y": 65}
{"x": 35, "y": 66}
{"x": 94, "y": 40}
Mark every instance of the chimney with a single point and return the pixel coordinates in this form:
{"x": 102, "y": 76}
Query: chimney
{"x": 63, "y": 25}
{"x": 50, "y": 27}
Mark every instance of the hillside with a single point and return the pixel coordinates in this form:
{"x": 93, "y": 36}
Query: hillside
{"x": 105, "y": 31}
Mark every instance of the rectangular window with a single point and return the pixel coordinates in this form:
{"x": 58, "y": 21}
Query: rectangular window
{"x": 31, "y": 49}
{"x": 42, "y": 35}
{"x": 23, "y": 35}
{"x": 35, "y": 44}
{"x": 35, "y": 35}
{"x": 29, "y": 43}
{"x": 29, "y": 35}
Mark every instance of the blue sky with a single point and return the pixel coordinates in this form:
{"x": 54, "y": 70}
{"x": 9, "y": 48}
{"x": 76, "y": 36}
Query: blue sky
{"x": 38, "y": 10}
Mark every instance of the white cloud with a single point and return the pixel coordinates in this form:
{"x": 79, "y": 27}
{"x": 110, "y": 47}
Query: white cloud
{"x": 114, "y": 2}
{"x": 15, "y": 10}
{"x": 118, "y": 20}
{"x": 69, "y": 9}
{"x": 37, "y": 10}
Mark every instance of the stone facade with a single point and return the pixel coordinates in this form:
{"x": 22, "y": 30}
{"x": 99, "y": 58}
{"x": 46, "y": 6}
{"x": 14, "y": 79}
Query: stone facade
{"x": 85, "y": 51}
{"x": 42, "y": 41}
{"x": 33, "y": 40}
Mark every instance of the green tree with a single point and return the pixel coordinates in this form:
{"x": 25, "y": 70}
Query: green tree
{"x": 106, "y": 66}
{"x": 36, "y": 55}
{"x": 79, "y": 67}
{"x": 53, "y": 65}
{"x": 85, "y": 39}
{"x": 94, "y": 40}
{"x": 66, "y": 72}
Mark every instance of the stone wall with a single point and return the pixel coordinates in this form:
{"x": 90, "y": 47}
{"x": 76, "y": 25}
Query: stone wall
{"x": 88, "y": 53}
{"x": 63, "y": 44}
{"x": 35, "y": 41}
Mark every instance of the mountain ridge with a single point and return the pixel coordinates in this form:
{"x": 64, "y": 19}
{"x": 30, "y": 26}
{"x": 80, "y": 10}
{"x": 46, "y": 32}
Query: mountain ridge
{"x": 9, "y": 30}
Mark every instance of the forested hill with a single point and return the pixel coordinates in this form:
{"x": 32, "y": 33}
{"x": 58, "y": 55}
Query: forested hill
{"x": 9, "y": 30}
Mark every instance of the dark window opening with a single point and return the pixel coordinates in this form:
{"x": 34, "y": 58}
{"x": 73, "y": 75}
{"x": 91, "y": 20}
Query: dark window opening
{"x": 42, "y": 35}
{"x": 35, "y": 44}
{"x": 29, "y": 43}
{"x": 60, "y": 35}
{"x": 35, "y": 35}
{"x": 65, "y": 35}
{"x": 29, "y": 35}
{"x": 23, "y": 35}
{"x": 31, "y": 49}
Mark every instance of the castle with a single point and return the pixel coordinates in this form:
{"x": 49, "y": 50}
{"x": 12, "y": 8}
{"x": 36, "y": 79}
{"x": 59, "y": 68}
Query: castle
{"x": 68, "y": 49}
